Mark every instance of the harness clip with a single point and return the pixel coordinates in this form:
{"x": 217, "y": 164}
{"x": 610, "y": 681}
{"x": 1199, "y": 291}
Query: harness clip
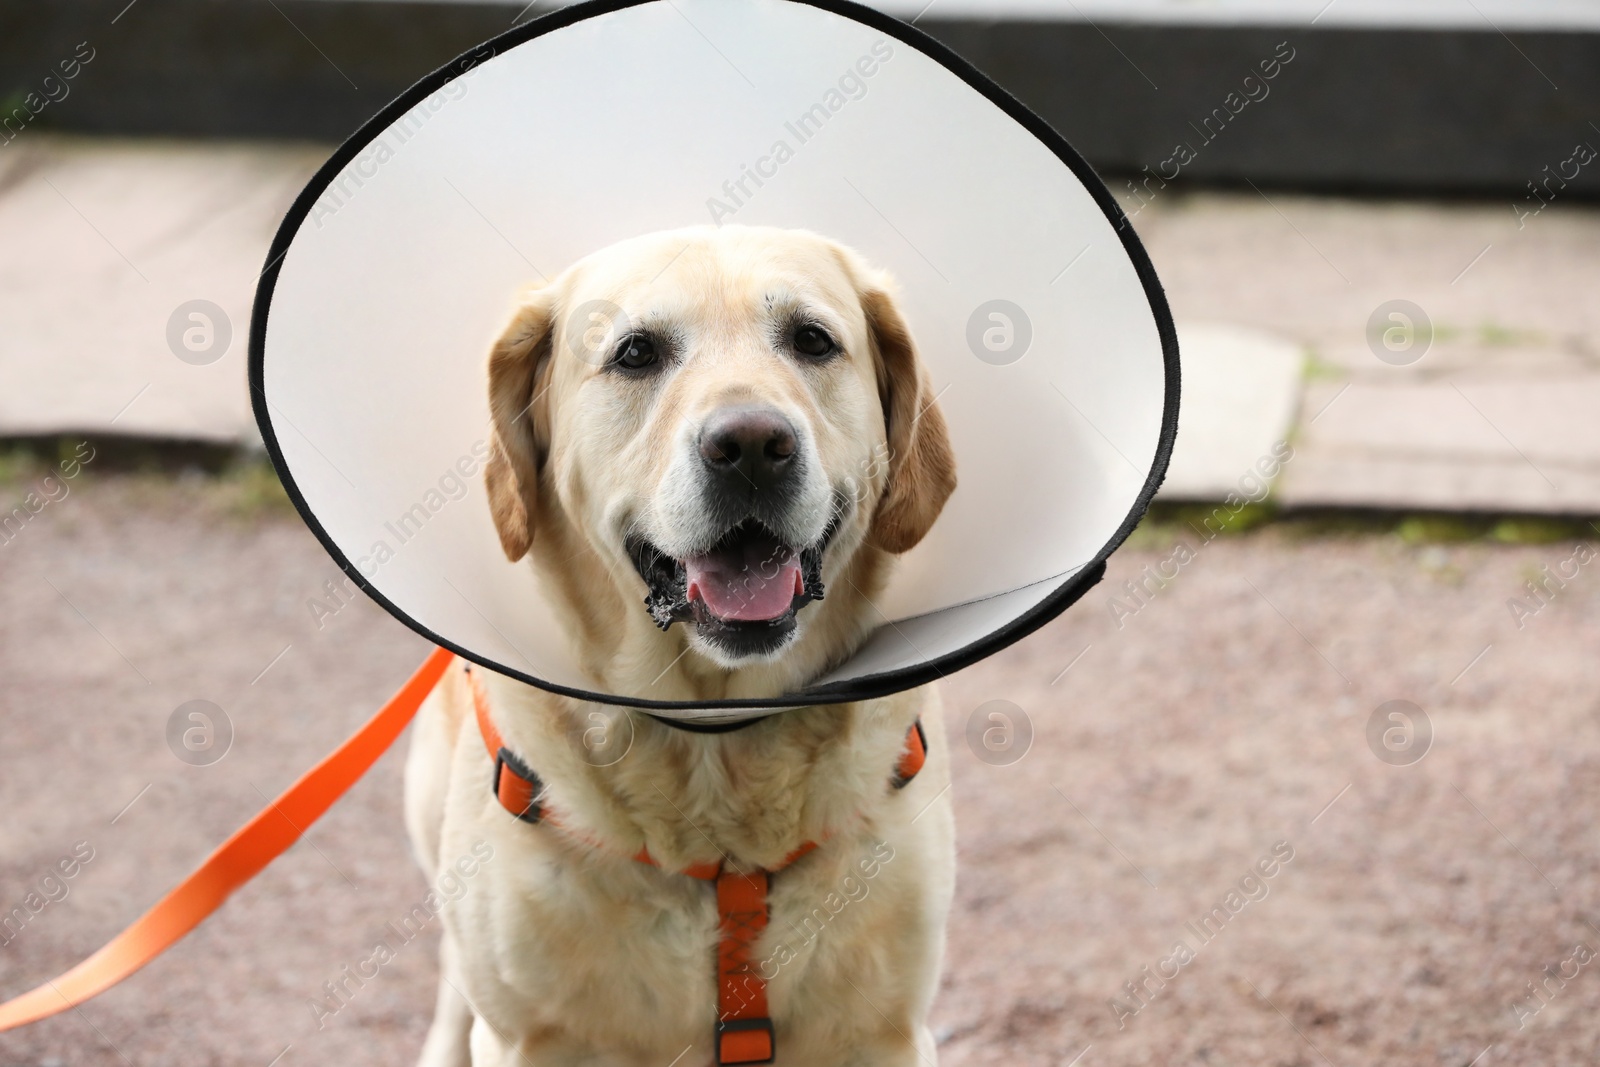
{"x": 741, "y": 1041}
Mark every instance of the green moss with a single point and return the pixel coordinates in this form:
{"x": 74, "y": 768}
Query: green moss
{"x": 19, "y": 465}
{"x": 1492, "y": 333}
{"x": 1166, "y": 522}
{"x": 237, "y": 482}
{"x": 1441, "y": 529}
{"x": 1246, "y": 518}
{"x": 1209, "y": 520}
{"x": 1314, "y": 368}
{"x": 250, "y": 489}
{"x": 1313, "y": 525}
{"x": 1540, "y": 530}
{"x": 1158, "y": 529}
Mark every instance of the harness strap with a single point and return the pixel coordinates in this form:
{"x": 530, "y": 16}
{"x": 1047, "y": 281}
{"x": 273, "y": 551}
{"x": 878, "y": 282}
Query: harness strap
{"x": 519, "y": 791}
{"x": 744, "y": 1029}
{"x": 744, "y": 1033}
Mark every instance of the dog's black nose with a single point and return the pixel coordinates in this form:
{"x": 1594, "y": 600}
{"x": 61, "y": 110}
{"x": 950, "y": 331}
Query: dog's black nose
{"x": 750, "y": 447}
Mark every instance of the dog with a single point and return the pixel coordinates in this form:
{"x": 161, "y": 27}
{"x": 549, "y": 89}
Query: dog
{"x": 710, "y": 444}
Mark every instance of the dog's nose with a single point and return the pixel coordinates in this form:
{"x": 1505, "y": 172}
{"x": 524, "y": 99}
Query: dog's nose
{"x": 748, "y": 446}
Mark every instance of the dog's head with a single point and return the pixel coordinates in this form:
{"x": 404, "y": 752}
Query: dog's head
{"x": 710, "y": 427}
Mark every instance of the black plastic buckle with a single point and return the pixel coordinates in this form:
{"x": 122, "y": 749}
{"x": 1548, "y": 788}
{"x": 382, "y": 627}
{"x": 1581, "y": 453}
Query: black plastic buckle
{"x": 725, "y": 1026}
{"x": 535, "y": 810}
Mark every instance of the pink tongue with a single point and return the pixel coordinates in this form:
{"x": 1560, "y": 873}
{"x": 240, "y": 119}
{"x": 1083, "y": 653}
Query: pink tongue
{"x": 750, "y": 582}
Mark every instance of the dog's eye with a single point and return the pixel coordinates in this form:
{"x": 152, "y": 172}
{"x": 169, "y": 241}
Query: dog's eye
{"x": 635, "y": 353}
{"x": 813, "y": 341}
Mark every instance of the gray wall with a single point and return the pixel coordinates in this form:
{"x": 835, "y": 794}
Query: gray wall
{"x": 1410, "y": 110}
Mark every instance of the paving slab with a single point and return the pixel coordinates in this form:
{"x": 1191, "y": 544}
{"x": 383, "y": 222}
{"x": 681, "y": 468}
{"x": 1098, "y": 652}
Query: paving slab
{"x": 112, "y": 237}
{"x": 1487, "y": 405}
{"x": 1474, "y": 442}
{"x": 104, "y": 242}
{"x": 1241, "y": 390}
{"x": 107, "y": 240}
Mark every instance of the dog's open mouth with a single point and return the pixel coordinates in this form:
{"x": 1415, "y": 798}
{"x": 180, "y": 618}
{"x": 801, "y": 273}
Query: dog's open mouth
{"x": 741, "y": 593}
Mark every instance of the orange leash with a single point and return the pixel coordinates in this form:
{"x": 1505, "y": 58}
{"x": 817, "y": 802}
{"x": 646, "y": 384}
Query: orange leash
{"x": 239, "y": 859}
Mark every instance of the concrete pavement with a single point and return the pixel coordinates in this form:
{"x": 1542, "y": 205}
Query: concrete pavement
{"x": 1484, "y": 402}
{"x": 129, "y": 263}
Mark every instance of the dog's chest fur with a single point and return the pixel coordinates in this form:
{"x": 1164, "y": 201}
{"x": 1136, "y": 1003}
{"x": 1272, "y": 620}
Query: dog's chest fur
{"x": 572, "y": 948}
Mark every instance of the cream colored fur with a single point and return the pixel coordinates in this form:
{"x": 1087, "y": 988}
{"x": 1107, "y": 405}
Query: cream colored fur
{"x": 564, "y": 950}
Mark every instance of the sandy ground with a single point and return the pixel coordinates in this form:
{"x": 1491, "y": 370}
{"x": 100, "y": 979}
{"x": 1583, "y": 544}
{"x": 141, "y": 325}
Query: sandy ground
{"x": 1225, "y": 717}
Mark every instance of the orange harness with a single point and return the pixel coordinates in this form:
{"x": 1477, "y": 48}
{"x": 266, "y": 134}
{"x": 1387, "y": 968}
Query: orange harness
{"x": 744, "y": 1030}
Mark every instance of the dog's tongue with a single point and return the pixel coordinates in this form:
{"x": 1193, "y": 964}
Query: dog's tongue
{"x": 754, "y": 579}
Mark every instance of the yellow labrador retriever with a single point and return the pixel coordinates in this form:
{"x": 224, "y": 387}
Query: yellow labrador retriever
{"x": 710, "y": 443}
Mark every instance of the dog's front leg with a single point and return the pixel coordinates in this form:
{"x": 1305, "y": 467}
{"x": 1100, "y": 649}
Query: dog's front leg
{"x": 490, "y": 1049}
{"x": 895, "y": 1048}
{"x": 447, "y": 1041}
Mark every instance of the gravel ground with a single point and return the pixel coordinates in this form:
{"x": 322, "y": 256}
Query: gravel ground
{"x": 1224, "y": 718}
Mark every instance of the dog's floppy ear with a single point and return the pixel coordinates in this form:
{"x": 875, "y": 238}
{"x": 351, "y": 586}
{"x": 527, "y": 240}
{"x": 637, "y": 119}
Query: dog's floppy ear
{"x": 922, "y": 465}
{"x": 519, "y": 363}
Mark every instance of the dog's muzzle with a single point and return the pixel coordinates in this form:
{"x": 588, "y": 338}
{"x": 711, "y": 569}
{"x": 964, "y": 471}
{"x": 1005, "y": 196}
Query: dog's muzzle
{"x": 743, "y": 590}
{"x": 742, "y": 594}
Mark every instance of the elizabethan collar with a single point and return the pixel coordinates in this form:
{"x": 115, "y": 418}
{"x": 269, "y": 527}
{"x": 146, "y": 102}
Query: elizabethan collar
{"x": 1035, "y": 310}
